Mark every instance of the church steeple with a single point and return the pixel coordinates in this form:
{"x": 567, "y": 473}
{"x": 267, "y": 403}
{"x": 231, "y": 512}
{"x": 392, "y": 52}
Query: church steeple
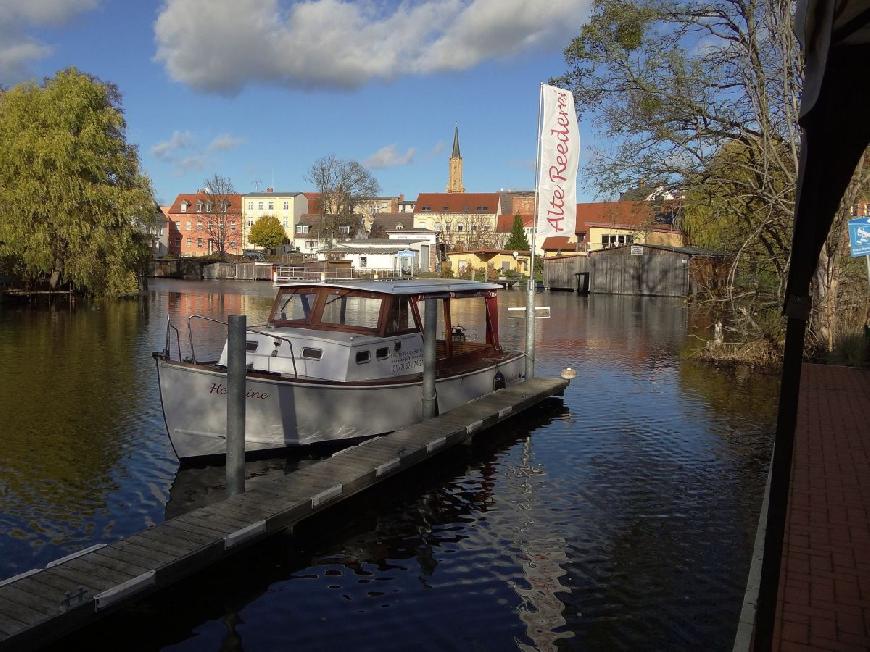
{"x": 454, "y": 182}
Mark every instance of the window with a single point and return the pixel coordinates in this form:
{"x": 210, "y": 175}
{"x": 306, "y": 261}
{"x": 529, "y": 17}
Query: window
{"x": 426, "y": 208}
{"x": 285, "y": 223}
{"x": 199, "y": 242}
{"x": 184, "y": 207}
{"x": 199, "y": 207}
{"x": 359, "y": 312}
{"x": 399, "y": 227}
{"x": 310, "y": 244}
{"x": 344, "y": 228}
{"x": 363, "y": 261}
{"x": 250, "y": 223}
{"x": 260, "y": 205}
{"x": 301, "y": 228}
{"x": 362, "y": 357}
{"x": 190, "y": 242}
{"x": 460, "y": 227}
{"x": 271, "y": 205}
{"x": 309, "y": 353}
{"x": 383, "y": 353}
{"x": 286, "y": 205}
{"x": 208, "y": 207}
{"x": 199, "y": 226}
{"x": 292, "y": 306}
{"x": 190, "y": 226}
{"x": 250, "y": 205}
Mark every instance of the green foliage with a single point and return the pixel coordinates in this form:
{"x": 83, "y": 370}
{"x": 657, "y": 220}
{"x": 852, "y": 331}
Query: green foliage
{"x": 518, "y": 240}
{"x": 76, "y": 207}
{"x": 267, "y": 232}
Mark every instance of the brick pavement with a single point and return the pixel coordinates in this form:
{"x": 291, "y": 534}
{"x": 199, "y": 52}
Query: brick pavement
{"x": 824, "y": 592}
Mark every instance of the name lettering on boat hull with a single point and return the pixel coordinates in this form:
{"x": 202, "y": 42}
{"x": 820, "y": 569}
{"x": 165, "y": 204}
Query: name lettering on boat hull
{"x": 221, "y": 390}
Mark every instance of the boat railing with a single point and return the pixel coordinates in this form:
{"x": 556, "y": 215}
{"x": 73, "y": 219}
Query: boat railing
{"x": 190, "y": 319}
{"x": 287, "y": 274}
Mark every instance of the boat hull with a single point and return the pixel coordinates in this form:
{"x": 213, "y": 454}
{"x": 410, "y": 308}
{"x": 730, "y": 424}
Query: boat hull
{"x": 283, "y": 413}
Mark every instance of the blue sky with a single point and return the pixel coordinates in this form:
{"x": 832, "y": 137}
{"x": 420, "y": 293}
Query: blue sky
{"x": 257, "y": 90}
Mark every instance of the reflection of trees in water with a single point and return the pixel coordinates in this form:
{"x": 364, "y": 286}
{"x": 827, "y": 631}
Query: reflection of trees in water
{"x": 71, "y": 379}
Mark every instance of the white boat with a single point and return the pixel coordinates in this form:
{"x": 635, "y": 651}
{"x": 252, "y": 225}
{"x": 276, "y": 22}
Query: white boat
{"x": 340, "y": 360}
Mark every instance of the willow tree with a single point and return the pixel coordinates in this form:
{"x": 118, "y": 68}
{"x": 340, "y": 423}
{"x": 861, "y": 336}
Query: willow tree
{"x": 74, "y": 206}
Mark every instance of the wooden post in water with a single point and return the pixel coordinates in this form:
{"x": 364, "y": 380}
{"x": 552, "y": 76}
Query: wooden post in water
{"x": 236, "y": 371}
{"x": 430, "y": 332}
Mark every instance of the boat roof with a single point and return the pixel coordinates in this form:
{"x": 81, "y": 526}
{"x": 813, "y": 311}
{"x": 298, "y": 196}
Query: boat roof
{"x": 406, "y": 287}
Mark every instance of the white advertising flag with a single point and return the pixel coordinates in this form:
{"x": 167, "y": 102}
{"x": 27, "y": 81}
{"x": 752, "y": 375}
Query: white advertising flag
{"x": 559, "y": 157}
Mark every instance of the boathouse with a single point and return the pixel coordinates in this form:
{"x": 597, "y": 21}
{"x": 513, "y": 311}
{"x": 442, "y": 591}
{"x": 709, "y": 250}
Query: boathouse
{"x": 640, "y": 269}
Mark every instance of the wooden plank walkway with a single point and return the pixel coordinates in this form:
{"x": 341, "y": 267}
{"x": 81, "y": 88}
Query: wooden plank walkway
{"x": 43, "y": 605}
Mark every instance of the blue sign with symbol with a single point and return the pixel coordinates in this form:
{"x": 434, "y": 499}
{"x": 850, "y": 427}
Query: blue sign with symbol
{"x": 859, "y": 236}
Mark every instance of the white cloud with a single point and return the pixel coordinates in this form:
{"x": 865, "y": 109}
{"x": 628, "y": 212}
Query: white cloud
{"x": 168, "y": 150}
{"x": 389, "y": 157}
{"x": 223, "y": 45}
{"x": 18, "y": 49}
{"x": 225, "y": 142}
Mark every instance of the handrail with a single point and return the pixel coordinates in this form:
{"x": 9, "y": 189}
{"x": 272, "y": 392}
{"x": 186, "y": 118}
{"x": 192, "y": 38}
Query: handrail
{"x": 247, "y": 330}
{"x": 168, "y": 340}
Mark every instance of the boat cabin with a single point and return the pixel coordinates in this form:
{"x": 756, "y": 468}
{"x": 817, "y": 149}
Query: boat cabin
{"x": 367, "y": 331}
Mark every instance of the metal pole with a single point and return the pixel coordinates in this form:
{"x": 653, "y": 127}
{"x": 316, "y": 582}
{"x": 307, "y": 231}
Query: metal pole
{"x": 236, "y": 371}
{"x": 530, "y": 296}
{"x": 867, "y": 258}
{"x": 430, "y": 330}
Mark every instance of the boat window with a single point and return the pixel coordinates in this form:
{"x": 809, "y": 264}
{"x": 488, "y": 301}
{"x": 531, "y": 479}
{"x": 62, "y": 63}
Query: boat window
{"x": 400, "y": 318}
{"x": 359, "y": 312}
{"x": 383, "y": 353}
{"x": 292, "y": 306}
{"x": 310, "y": 353}
{"x": 362, "y": 357}
{"x": 251, "y": 345}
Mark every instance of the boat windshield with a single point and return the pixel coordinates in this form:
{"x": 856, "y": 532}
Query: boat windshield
{"x": 292, "y": 306}
{"x": 354, "y": 311}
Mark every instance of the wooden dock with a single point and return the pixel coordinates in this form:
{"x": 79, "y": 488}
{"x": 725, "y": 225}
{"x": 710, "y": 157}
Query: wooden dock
{"x": 43, "y": 605}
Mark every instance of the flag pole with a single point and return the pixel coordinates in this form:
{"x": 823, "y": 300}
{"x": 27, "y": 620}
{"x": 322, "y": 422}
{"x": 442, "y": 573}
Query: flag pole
{"x": 530, "y": 298}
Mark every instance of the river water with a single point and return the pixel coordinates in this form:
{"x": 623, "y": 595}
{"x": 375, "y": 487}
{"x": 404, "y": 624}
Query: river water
{"x": 622, "y": 517}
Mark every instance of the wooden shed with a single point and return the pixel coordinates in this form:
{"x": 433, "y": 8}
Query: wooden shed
{"x": 561, "y": 273}
{"x": 654, "y": 270}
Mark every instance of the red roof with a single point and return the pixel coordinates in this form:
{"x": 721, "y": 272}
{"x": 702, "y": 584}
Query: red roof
{"x": 628, "y": 214}
{"x": 235, "y": 201}
{"x": 506, "y": 223}
{"x": 559, "y": 243}
{"x": 457, "y": 202}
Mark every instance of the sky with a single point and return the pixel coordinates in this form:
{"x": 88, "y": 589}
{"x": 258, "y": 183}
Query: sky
{"x": 257, "y": 90}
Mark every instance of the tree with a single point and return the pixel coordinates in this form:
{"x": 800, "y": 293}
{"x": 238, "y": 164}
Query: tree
{"x": 76, "y": 207}
{"x": 518, "y": 240}
{"x": 342, "y": 186}
{"x": 267, "y": 232}
{"x": 222, "y": 218}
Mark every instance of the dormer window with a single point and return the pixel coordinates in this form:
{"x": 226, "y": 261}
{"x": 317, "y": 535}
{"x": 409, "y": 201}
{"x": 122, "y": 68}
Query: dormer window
{"x": 184, "y": 205}
{"x": 399, "y": 227}
{"x": 199, "y": 207}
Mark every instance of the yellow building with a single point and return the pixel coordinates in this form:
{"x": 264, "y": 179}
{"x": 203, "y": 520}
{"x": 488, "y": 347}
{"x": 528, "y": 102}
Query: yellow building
{"x": 492, "y": 262}
{"x": 288, "y": 207}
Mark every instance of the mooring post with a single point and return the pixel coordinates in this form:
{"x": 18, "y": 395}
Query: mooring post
{"x": 430, "y": 332}
{"x": 236, "y": 371}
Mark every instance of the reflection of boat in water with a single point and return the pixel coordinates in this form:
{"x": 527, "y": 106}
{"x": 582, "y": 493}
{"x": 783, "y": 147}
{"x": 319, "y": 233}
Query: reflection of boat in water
{"x": 337, "y": 361}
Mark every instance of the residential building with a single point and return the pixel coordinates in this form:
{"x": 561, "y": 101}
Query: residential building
{"x": 610, "y": 224}
{"x": 375, "y": 254}
{"x": 160, "y": 233}
{"x": 489, "y": 262}
{"x": 306, "y": 234}
{"x": 454, "y": 180}
{"x": 462, "y": 220}
{"x": 383, "y": 222}
{"x": 199, "y": 221}
{"x": 287, "y": 206}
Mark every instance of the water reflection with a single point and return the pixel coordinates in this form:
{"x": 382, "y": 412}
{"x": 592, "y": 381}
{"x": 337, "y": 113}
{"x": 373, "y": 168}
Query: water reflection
{"x": 622, "y": 519}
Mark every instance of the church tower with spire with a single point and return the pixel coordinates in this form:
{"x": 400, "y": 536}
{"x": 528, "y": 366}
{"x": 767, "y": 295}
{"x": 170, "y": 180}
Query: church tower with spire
{"x": 454, "y": 183}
